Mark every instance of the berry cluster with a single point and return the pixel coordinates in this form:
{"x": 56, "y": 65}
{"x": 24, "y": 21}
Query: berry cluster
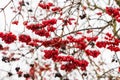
{"x": 8, "y": 37}
{"x": 44, "y": 28}
{"x": 114, "y": 12}
{"x": 110, "y": 43}
{"x": 72, "y": 63}
{"x": 49, "y": 6}
{"x": 49, "y": 22}
{"x": 79, "y": 43}
{"x": 50, "y": 53}
{"x": 28, "y": 40}
{"x": 93, "y": 53}
{"x": 45, "y": 5}
{"x": 24, "y": 38}
{"x": 15, "y": 22}
{"x": 55, "y": 42}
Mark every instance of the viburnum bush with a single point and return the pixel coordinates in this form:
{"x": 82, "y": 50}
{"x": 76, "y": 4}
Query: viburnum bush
{"x": 59, "y": 40}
